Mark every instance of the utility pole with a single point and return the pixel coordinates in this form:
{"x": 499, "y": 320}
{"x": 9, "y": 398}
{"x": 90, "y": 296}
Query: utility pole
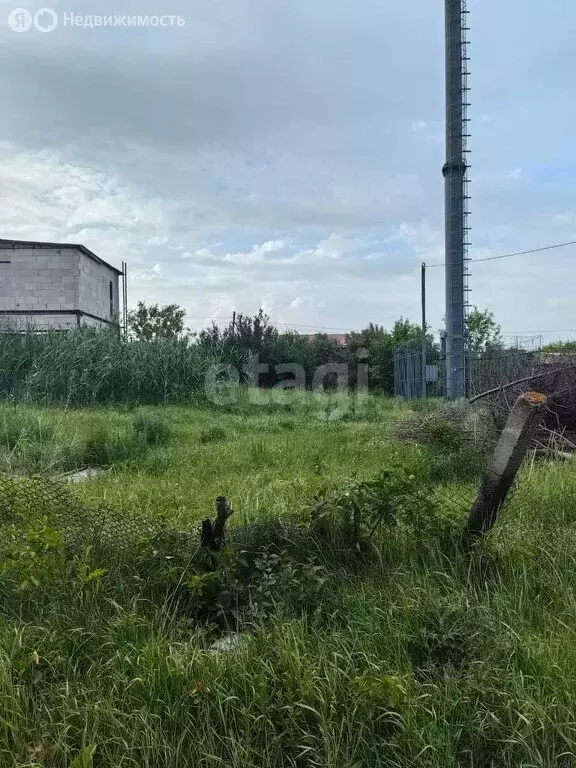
{"x": 456, "y": 213}
{"x": 125, "y": 300}
{"x": 234, "y": 323}
{"x": 424, "y": 392}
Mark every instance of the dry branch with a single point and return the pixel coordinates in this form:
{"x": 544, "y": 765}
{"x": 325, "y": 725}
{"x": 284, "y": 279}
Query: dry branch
{"x": 534, "y": 377}
{"x": 554, "y": 454}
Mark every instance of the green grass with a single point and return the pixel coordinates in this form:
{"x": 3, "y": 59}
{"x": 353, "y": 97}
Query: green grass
{"x": 50, "y": 441}
{"x": 412, "y": 655}
{"x": 268, "y": 459}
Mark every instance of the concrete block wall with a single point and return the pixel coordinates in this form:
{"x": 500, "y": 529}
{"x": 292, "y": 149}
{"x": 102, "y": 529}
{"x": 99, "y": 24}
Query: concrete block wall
{"x": 55, "y": 279}
{"x": 94, "y": 289}
{"x": 39, "y": 278}
{"x": 47, "y": 322}
{"x": 90, "y": 322}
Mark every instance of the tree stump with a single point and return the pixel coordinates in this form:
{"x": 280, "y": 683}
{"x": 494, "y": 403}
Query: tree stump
{"x": 212, "y": 533}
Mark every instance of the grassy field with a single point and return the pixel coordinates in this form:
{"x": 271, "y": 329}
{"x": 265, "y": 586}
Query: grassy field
{"x": 395, "y": 650}
{"x": 268, "y": 458}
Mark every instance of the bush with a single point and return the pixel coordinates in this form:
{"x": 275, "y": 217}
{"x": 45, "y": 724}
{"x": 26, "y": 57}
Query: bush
{"x": 32, "y": 554}
{"x": 253, "y": 589}
{"x": 348, "y": 517}
{"x": 268, "y": 566}
{"x": 443, "y": 434}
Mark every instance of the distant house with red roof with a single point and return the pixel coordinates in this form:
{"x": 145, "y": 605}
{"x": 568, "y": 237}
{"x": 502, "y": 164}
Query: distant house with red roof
{"x": 339, "y": 338}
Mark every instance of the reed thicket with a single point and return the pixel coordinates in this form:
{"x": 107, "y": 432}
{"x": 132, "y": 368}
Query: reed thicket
{"x": 94, "y": 367}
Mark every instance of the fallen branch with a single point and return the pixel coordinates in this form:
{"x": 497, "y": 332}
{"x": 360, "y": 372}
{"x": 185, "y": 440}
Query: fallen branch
{"x": 554, "y": 454}
{"x": 510, "y": 384}
{"x": 559, "y": 437}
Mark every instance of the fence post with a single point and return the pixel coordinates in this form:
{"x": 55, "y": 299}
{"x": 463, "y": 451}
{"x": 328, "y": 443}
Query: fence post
{"x": 505, "y": 462}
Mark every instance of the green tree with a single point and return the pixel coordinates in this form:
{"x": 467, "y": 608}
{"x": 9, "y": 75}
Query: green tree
{"x": 405, "y": 333}
{"x": 375, "y": 346}
{"x": 243, "y": 337}
{"x": 156, "y": 323}
{"x": 484, "y": 333}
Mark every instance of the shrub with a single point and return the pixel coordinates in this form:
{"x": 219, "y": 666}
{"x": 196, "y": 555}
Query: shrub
{"x": 268, "y": 566}
{"x": 443, "y": 433}
{"x": 349, "y": 516}
{"x": 31, "y": 554}
{"x": 252, "y": 589}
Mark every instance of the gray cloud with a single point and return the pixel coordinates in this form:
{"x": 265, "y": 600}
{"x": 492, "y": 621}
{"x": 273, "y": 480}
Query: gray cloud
{"x": 319, "y": 125}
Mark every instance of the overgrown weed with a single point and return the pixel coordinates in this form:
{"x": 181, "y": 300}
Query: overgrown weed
{"x": 367, "y": 637}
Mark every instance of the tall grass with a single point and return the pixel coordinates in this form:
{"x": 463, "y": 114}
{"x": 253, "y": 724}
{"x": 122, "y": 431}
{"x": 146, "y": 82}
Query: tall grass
{"x": 414, "y": 655}
{"x": 49, "y": 441}
{"x": 89, "y": 367}
{"x": 429, "y": 658}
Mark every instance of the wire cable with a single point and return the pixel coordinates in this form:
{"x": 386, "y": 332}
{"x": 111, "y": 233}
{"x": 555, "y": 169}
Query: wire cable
{"x": 516, "y": 253}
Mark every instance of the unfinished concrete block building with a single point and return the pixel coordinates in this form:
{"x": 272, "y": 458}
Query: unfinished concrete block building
{"x": 56, "y": 286}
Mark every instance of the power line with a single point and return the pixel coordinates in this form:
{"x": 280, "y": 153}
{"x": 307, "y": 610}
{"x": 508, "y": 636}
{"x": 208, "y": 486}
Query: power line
{"x": 516, "y": 253}
{"x": 275, "y": 323}
{"x": 311, "y": 327}
{"x": 538, "y": 333}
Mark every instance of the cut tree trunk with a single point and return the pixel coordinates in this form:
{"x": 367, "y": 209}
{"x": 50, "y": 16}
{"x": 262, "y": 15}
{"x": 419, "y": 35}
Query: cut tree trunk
{"x": 505, "y": 462}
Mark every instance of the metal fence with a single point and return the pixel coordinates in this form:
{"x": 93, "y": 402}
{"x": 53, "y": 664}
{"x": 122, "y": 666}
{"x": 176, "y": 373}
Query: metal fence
{"x": 485, "y": 370}
{"x": 410, "y": 380}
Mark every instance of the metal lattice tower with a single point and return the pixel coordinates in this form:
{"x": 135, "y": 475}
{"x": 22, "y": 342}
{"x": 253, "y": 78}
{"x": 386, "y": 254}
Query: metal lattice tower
{"x": 456, "y": 196}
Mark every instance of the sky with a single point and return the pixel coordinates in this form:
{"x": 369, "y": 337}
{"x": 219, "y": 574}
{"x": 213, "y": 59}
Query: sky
{"x": 287, "y": 155}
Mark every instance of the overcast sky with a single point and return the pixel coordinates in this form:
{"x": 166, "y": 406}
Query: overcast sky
{"x": 287, "y": 154}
